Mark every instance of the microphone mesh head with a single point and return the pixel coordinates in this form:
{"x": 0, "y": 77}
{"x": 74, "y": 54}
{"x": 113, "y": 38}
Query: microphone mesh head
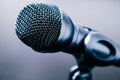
{"x": 38, "y": 25}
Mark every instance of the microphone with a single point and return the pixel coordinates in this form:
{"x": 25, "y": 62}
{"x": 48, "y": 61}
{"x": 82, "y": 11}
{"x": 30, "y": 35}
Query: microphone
{"x": 45, "y": 28}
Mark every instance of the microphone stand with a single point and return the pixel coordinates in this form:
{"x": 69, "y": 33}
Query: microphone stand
{"x": 82, "y": 71}
{"x": 78, "y": 73}
{"x": 98, "y": 51}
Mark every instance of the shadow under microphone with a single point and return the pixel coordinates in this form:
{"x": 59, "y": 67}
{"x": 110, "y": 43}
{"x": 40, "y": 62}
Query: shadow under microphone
{"x": 45, "y": 28}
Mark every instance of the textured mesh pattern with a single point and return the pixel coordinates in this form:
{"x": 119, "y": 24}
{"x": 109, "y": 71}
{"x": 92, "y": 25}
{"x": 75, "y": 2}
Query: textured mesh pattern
{"x": 38, "y": 25}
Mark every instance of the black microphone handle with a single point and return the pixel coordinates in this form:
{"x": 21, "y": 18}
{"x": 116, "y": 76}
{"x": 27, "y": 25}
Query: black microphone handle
{"x": 87, "y": 45}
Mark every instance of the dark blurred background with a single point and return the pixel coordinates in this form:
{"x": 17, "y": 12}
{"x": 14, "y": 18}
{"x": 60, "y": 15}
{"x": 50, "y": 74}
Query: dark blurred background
{"x": 20, "y": 62}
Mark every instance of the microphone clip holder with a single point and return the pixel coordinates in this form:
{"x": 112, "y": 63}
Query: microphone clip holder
{"x": 98, "y": 51}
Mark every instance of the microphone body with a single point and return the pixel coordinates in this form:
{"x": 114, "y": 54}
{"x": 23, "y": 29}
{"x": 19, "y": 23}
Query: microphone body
{"x": 71, "y": 37}
{"x": 88, "y": 46}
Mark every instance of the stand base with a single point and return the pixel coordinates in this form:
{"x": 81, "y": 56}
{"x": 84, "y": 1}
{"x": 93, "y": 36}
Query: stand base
{"x": 79, "y": 74}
